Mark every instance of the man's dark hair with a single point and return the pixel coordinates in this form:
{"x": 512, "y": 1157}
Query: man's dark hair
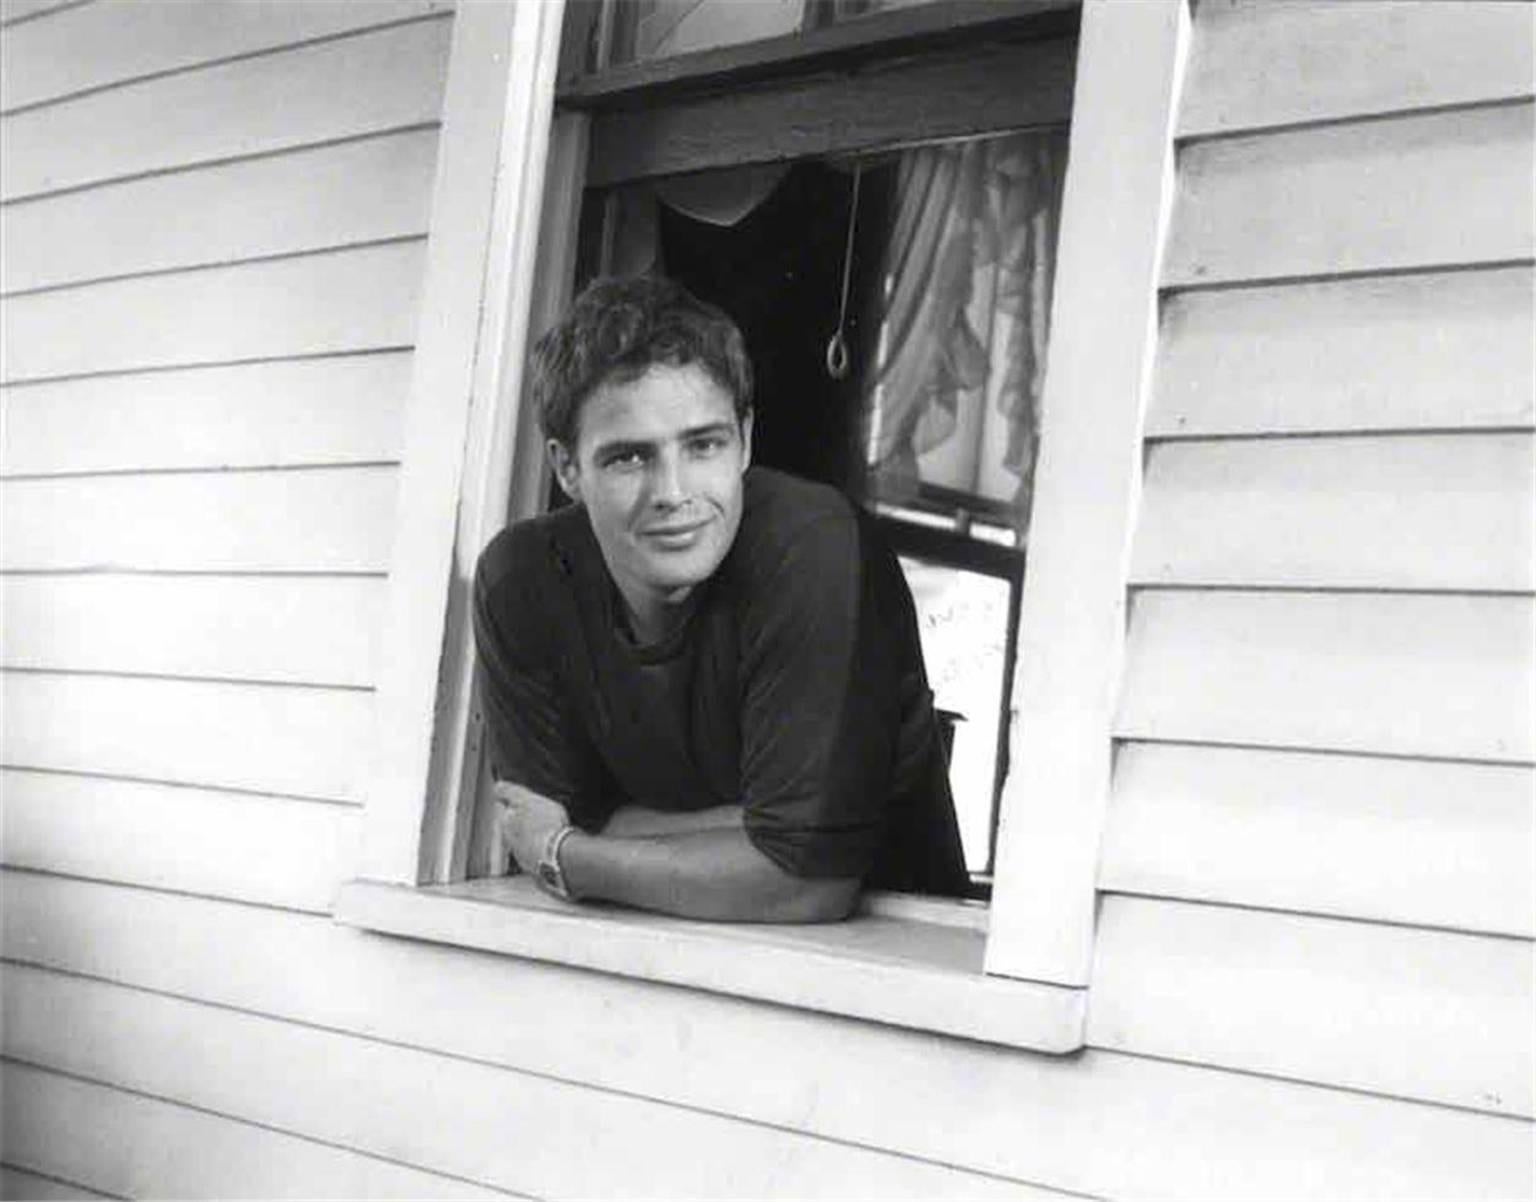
{"x": 616, "y": 331}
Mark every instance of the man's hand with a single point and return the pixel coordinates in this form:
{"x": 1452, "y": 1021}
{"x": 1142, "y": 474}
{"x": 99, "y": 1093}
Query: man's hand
{"x": 526, "y": 822}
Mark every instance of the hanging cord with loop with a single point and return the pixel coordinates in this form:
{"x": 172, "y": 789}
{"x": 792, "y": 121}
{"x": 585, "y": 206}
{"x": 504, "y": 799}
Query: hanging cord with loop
{"x": 837, "y": 348}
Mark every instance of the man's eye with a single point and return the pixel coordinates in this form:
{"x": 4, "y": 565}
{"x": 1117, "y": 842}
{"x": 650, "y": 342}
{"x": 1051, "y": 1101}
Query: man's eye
{"x": 625, "y": 461}
{"x": 708, "y": 444}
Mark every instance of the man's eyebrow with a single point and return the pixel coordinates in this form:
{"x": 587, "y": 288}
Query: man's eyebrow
{"x": 709, "y": 428}
{"x": 621, "y": 446}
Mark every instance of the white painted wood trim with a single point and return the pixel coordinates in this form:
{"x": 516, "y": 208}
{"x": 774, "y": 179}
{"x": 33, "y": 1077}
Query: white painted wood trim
{"x": 490, "y": 174}
{"x": 509, "y": 482}
{"x": 1115, "y": 212}
{"x": 897, "y": 971}
{"x": 533, "y": 248}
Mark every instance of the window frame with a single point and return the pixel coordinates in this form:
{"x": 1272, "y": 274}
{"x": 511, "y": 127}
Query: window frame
{"x": 498, "y": 265}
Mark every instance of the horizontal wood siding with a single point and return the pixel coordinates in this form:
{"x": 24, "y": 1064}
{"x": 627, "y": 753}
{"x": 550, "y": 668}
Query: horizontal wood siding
{"x": 1437, "y": 1015}
{"x": 324, "y": 91}
{"x": 128, "y": 1145}
{"x": 1428, "y": 674}
{"x": 317, "y": 630}
{"x": 339, "y": 301}
{"x": 517, "y": 1131}
{"x": 16, "y": 11}
{"x": 369, "y": 190}
{"x": 304, "y": 742}
{"x": 1439, "y": 843}
{"x": 99, "y": 45}
{"x": 1318, "y": 862}
{"x": 1436, "y": 351}
{"x": 215, "y": 225}
{"x": 1260, "y": 63}
{"x": 331, "y": 519}
{"x": 251, "y": 847}
{"x": 1453, "y": 511}
{"x": 18, "y": 1183}
{"x": 1435, "y": 190}
{"x": 284, "y": 413}
{"x": 1105, "y": 1123}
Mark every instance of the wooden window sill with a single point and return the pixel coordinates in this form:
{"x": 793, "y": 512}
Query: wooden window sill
{"x": 906, "y": 962}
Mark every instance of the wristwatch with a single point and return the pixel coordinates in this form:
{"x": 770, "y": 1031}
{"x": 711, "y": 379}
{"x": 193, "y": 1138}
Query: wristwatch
{"x": 548, "y": 874}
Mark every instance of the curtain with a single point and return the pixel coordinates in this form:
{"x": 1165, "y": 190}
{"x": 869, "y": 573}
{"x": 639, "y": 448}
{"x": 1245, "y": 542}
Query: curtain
{"x": 954, "y": 396}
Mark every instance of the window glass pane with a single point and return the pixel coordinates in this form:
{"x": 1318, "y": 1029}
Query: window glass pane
{"x": 847, "y": 10}
{"x": 963, "y": 622}
{"x": 646, "y": 30}
{"x": 662, "y": 28}
{"x": 952, "y": 400}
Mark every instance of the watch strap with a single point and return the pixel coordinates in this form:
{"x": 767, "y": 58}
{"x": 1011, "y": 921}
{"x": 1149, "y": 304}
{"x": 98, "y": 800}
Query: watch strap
{"x": 550, "y": 876}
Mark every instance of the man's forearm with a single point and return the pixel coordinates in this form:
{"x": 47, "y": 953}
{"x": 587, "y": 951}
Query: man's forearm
{"x": 715, "y": 874}
{"x": 640, "y": 822}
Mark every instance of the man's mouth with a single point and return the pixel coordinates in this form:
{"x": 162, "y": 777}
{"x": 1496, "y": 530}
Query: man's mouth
{"x": 674, "y": 538}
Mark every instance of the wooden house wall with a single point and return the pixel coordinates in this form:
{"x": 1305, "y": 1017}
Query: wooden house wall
{"x": 1314, "y": 959}
{"x": 1319, "y": 858}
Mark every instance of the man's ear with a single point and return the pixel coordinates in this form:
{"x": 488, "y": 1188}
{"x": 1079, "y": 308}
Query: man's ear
{"x": 563, "y": 464}
{"x": 746, "y": 440}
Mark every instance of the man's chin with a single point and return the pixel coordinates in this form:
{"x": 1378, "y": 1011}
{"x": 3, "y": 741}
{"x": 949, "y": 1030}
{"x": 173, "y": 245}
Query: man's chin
{"x": 681, "y": 571}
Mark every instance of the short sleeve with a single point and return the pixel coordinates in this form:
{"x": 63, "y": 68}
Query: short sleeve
{"x": 535, "y": 740}
{"x": 819, "y": 721}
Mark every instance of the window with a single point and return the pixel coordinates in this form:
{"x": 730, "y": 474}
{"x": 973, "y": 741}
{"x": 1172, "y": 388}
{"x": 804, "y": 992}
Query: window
{"x": 926, "y": 267}
{"x": 851, "y": 89}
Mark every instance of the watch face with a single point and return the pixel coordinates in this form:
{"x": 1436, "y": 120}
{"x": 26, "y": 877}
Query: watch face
{"x": 550, "y": 878}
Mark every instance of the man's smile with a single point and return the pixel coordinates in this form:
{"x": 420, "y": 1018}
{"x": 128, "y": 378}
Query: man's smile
{"x": 677, "y": 537}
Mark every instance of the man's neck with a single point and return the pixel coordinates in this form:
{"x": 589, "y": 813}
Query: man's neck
{"x": 657, "y": 616}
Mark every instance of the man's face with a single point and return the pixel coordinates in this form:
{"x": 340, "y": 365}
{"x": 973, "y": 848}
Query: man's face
{"x": 658, "y": 463}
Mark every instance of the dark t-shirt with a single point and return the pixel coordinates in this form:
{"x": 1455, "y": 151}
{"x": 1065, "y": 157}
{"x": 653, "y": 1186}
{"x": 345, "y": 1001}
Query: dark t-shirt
{"x": 795, "y": 688}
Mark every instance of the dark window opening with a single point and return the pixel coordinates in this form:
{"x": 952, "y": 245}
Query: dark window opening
{"x": 948, "y": 253}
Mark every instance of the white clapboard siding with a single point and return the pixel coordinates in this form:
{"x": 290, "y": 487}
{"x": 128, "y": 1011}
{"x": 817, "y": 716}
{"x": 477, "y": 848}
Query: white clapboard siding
{"x": 1407, "y": 674}
{"x": 104, "y": 44}
{"x": 1423, "y": 842}
{"x": 302, "y": 742}
{"x": 1432, "y": 511}
{"x": 130, "y": 1146}
{"x": 18, "y": 1183}
{"x": 294, "y": 629}
{"x": 245, "y": 847}
{"x": 334, "y": 195}
{"x": 1257, "y": 63}
{"x": 1448, "y": 351}
{"x": 325, "y": 520}
{"x": 527, "y": 1134}
{"x": 332, "y": 410}
{"x": 1435, "y": 1015}
{"x": 1176, "y": 1130}
{"x": 350, "y": 300}
{"x": 376, "y": 81}
{"x": 22, "y": 10}
{"x": 1410, "y": 192}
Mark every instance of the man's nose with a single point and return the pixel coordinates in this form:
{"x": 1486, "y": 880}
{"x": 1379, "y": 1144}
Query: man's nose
{"x": 668, "y": 487}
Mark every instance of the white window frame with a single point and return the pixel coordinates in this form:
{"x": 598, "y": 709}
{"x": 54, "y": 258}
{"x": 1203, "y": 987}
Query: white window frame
{"x": 505, "y": 201}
